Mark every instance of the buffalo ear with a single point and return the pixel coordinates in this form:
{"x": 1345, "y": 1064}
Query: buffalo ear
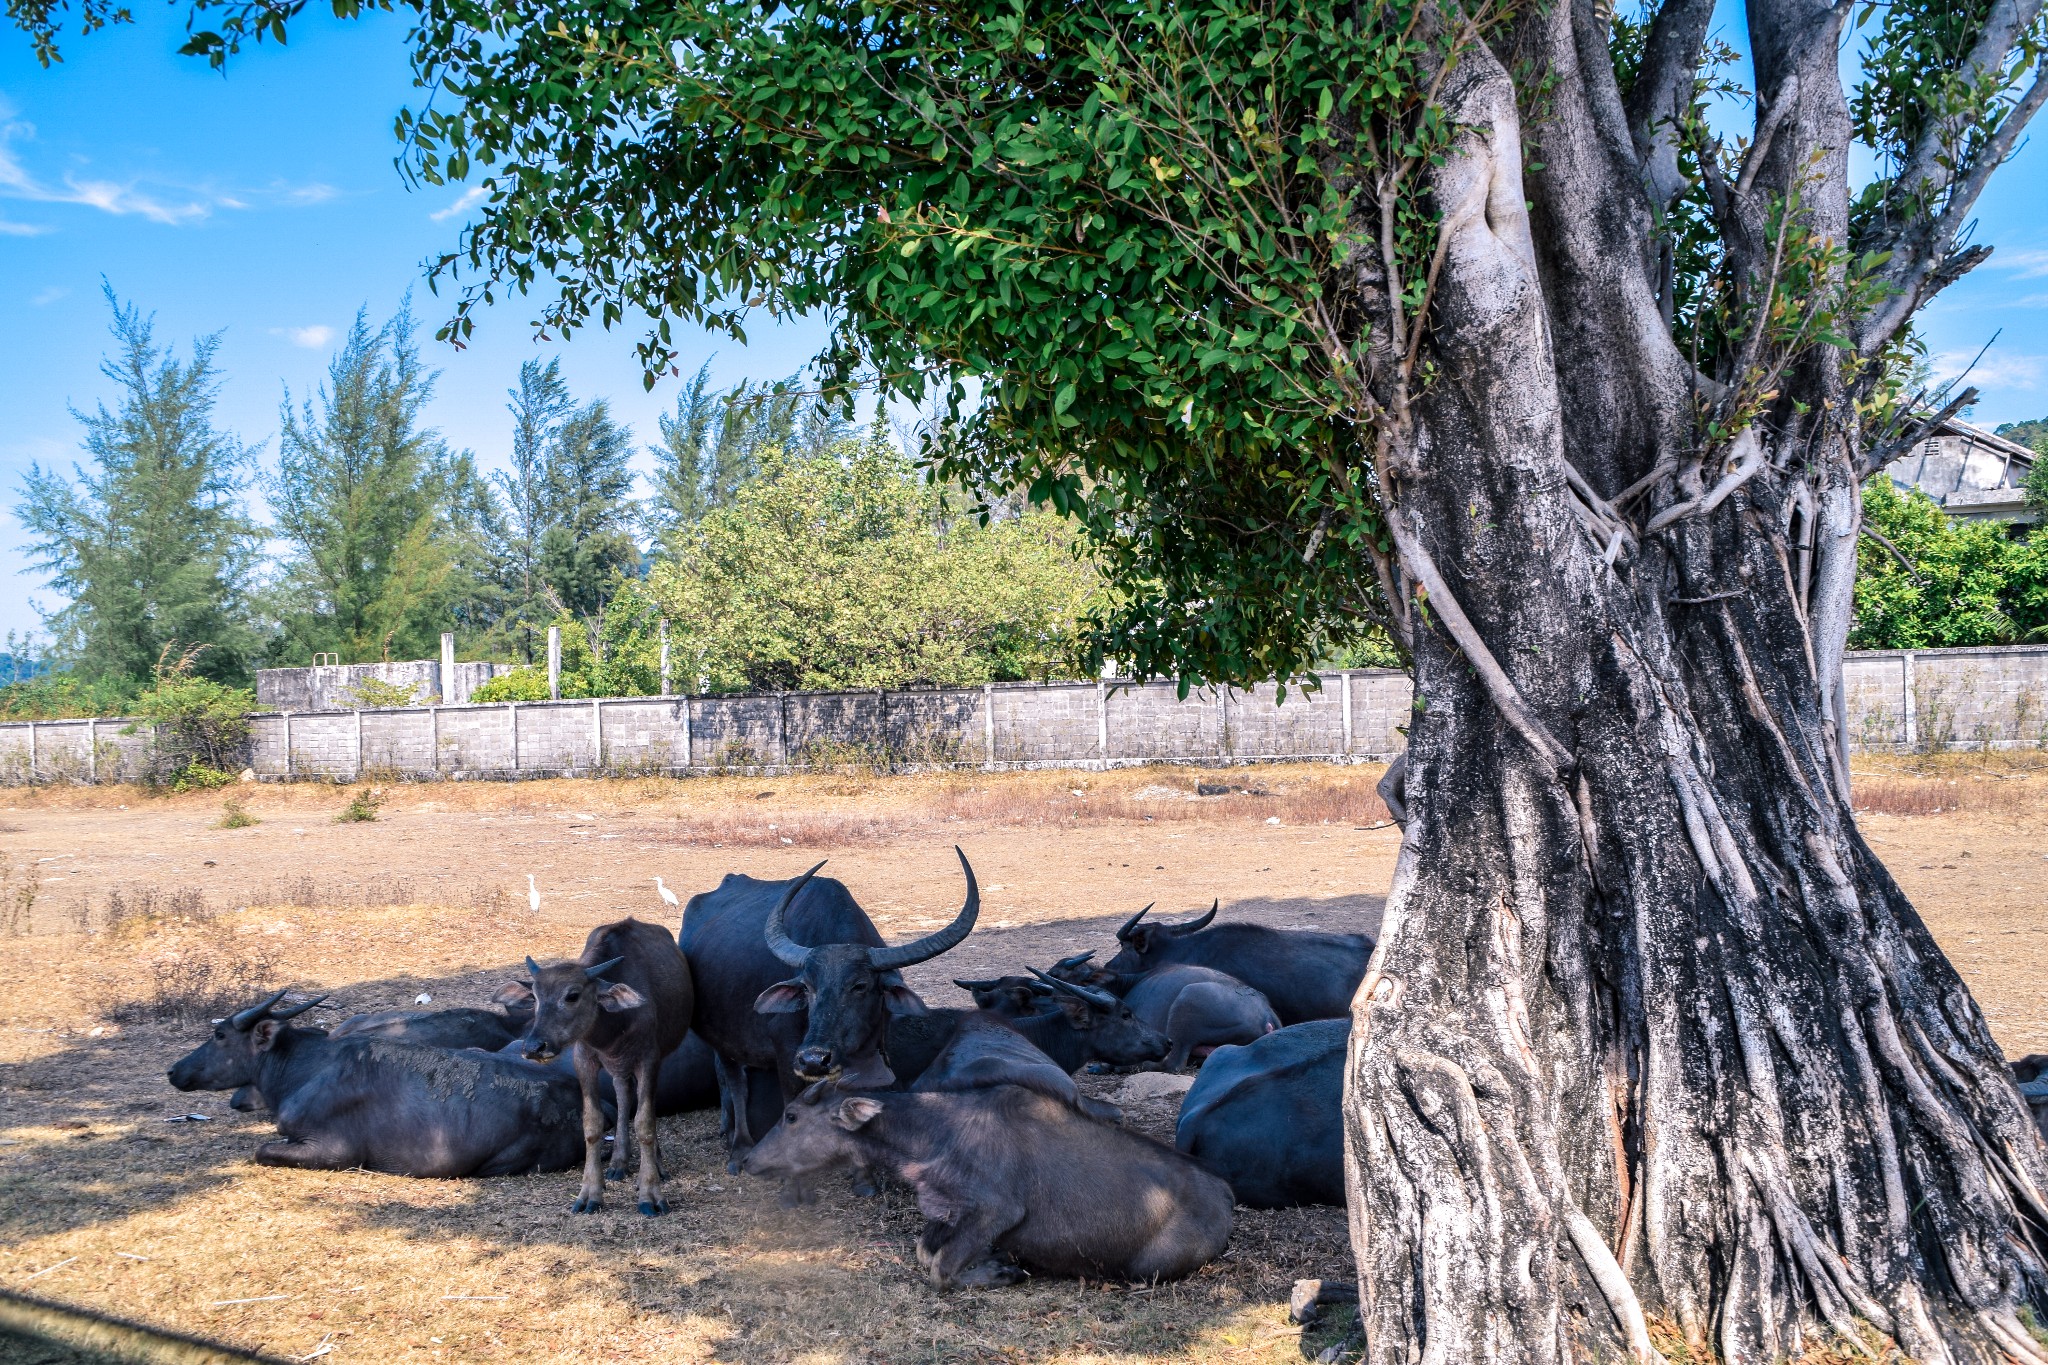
{"x": 855, "y": 1111}
{"x": 784, "y": 997}
{"x": 1077, "y": 1011}
{"x": 899, "y": 998}
{"x": 617, "y": 996}
{"x": 265, "y": 1034}
{"x": 514, "y": 995}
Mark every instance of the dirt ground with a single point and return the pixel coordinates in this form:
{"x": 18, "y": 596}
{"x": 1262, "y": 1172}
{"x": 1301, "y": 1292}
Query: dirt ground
{"x": 116, "y": 906}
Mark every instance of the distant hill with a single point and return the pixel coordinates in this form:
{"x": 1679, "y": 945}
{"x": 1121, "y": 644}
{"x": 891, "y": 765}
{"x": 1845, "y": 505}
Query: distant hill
{"x": 2033, "y": 435}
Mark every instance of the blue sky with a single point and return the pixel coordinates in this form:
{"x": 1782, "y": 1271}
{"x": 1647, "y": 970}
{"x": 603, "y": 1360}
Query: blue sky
{"x": 264, "y": 204}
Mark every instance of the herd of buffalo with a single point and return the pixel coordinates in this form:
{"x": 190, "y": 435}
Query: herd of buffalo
{"x": 779, "y": 1002}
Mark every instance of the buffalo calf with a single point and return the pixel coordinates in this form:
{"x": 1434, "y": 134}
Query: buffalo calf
{"x": 1011, "y": 1171}
{"x": 624, "y": 1005}
{"x": 1268, "y": 1117}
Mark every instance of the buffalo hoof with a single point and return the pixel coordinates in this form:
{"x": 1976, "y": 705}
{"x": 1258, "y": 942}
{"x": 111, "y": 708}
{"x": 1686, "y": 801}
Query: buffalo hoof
{"x": 866, "y": 1187}
{"x": 588, "y": 1203}
{"x": 619, "y": 1174}
{"x": 654, "y": 1207}
{"x": 990, "y": 1275}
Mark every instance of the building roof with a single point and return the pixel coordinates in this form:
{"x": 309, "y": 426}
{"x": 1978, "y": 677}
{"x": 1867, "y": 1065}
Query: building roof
{"x": 1972, "y": 473}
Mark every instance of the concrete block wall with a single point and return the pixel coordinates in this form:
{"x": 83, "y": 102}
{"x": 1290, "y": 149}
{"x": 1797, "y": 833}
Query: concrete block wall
{"x": 329, "y": 687}
{"x": 1955, "y": 698}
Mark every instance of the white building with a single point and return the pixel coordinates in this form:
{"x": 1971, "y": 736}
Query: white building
{"x": 1973, "y": 474}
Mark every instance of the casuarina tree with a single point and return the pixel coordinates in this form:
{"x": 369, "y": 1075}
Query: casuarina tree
{"x": 1460, "y": 319}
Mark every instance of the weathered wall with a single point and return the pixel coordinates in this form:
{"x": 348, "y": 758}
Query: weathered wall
{"x": 330, "y": 687}
{"x": 1933, "y": 699}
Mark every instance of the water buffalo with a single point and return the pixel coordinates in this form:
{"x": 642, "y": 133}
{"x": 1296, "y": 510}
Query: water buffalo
{"x": 623, "y": 1005}
{"x": 985, "y": 1049}
{"x": 462, "y": 1026}
{"x": 1268, "y": 1116}
{"x": 743, "y": 938}
{"x": 2032, "y": 1073}
{"x": 1076, "y": 1025}
{"x": 1200, "y": 1009}
{"x": 1008, "y": 1170}
{"x": 388, "y": 1105}
{"x": 1305, "y": 974}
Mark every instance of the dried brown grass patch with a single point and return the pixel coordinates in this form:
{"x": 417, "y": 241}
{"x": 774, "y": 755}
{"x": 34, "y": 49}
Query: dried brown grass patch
{"x": 1910, "y": 795}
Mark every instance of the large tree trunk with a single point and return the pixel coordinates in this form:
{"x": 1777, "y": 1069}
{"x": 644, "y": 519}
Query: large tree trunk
{"x": 1652, "y": 1042}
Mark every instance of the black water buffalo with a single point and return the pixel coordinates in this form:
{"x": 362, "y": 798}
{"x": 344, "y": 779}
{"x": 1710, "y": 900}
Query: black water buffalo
{"x": 1008, "y": 1170}
{"x": 461, "y": 1026}
{"x": 743, "y": 938}
{"x": 2032, "y": 1073}
{"x": 623, "y": 1005}
{"x": 1200, "y": 1009}
{"x": 1075, "y": 1026}
{"x": 1304, "y": 973}
{"x": 1268, "y": 1117}
{"x": 687, "y": 1081}
{"x": 388, "y": 1105}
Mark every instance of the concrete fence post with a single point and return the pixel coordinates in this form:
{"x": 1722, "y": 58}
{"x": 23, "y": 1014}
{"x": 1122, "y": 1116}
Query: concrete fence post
{"x": 31, "y": 752}
{"x": 512, "y": 715}
{"x": 554, "y": 663}
{"x": 684, "y": 709}
{"x": 92, "y": 751}
{"x": 662, "y": 631}
{"x": 988, "y": 727}
{"x": 1102, "y": 724}
{"x": 1344, "y": 681}
{"x": 597, "y": 734}
{"x": 1912, "y": 717}
{"x": 359, "y": 745}
{"x": 447, "y": 687}
{"x": 287, "y": 746}
{"x": 434, "y": 736}
{"x": 782, "y": 729}
{"x": 1223, "y": 721}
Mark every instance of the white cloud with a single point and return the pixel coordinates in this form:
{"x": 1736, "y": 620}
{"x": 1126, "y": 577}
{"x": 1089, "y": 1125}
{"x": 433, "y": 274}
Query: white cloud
{"x": 47, "y": 295}
{"x": 1994, "y": 371}
{"x": 312, "y": 338}
{"x": 124, "y": 199}
{"x": 2028, "y": 265}
{"x": 471, "y": 197}
{"x": 13, "y": 229}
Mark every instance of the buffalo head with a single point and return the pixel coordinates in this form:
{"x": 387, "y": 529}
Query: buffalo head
{"x": 227, "y": 1060}
{"x": 1143, "y": 943}
{"x": 567, "y": 1000}
{"x": 1115, "y": 1035}
{"x": 851, "y": 990}
{"x": 1014, "y": 996}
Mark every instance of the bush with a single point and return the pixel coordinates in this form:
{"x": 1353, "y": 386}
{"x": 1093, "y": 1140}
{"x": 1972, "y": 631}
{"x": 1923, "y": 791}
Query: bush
{"x": 62, "y": 696}
{"x": 1971, "y": 582}
{"x": 361, "y": 807}
{"x": 521, "y": 684}
{"x": 235, "y": 815}
{"x": 374, "y": 694}
{"x": 203, "y": 726}
{"x": 198, "y": 777}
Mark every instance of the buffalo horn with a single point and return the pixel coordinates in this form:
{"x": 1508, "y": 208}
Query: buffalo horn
{"x": 1132, "y": 922}
{"x": 931, "y": 945}
{"x": 593, "y": 973}
{"x": 1078, "y": 958}
{"x": 972, "y": 986}
{"x": 532, "y": 967}
{"x": 1102, "y": 999}
{"x": 791, "y": 952}
{"x": 1194, "y": 924}
{"x": 296, "y": 1010}
{"x": 247, "y": 1018}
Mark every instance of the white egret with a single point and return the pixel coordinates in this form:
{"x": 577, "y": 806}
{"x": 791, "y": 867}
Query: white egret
{"x": 666, "y": 894}
{"x": 532, "y": 895}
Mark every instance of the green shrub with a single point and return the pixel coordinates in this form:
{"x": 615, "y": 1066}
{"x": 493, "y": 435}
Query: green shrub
{"x": 198, "y": 777}
{"x": 62, "y": 696}
{"x": 521, "y": 684}
{"x": 373, "y": 694}
{"x": 235, "y": 815}
{"x": 361, "y": 807}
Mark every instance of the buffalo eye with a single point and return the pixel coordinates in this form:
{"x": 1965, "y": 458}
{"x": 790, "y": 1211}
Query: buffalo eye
{"x": 221, "y": 1034}
{"x": 572, "y": 997}
{"x": 860, "y": 986}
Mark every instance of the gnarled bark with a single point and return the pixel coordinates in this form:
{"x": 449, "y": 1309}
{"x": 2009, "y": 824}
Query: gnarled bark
{"x": 1651, "y": 1034}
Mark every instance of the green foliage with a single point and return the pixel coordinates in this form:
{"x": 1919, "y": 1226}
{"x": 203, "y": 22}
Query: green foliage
{"x": 150, "y": 545}
{"x": 235, "y": 815}
{"x": 202, "y": 726}
{"x": 372, "y": 694}
{"x": 362, "y": 492}
{"x": 526, "y": 683}
{"x": 837, "y": 572}
{"x": 712, "y": 443}
{"x": 1975, "y": 584}
{"x": 62, "y": 696}
{"x": 2031, "y": 434}
{"x": 361, "y": 807}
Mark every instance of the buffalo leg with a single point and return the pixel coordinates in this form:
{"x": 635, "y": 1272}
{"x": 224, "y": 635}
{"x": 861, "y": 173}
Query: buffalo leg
{"x": 625, "y": 1091}
{"x": 969, "y": 1240}
{"x": 591, "y": 1197}
{"x": 733, "y": 1080}
{"x": 325, "y": 1153}
{"x": 651, "y": 1201}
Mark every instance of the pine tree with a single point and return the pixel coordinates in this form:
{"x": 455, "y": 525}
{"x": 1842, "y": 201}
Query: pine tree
{"x": 363, "y": 491}
{"x": 152, "y": 545}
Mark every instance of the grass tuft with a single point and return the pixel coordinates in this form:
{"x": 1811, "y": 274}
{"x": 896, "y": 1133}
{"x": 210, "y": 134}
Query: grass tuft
{"x": 235, "y": 815}
{"x": 361, "y": 807}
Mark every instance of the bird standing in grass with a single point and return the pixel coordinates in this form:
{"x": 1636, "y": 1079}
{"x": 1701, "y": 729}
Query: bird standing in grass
{"x": 666, "y": 894}
{"x": 532, "y": 895}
